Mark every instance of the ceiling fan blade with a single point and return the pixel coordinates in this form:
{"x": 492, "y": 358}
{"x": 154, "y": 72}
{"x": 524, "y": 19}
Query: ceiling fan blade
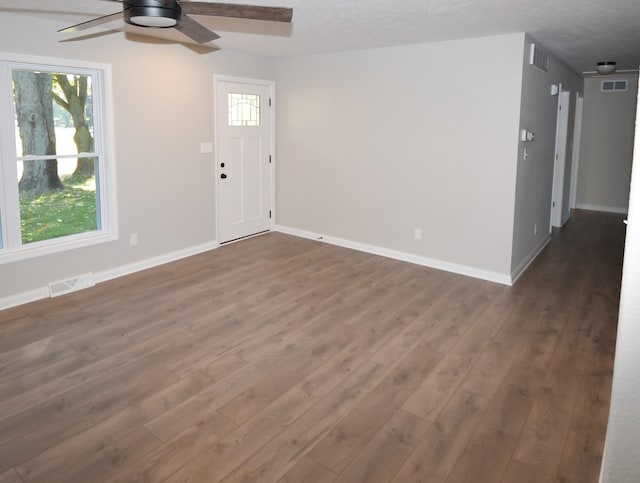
{"x": 254, "y": 12}
{"x": 195, "y": 30}
{"x": 92, "y": 23}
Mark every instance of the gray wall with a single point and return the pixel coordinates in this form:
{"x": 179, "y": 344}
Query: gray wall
{"x": 534, "y": 183}
{"x": 375, "y": 143}
{"x": 371, "y": 145}
{"x": 163, "y": 109}
{"x": 607, "y": 146}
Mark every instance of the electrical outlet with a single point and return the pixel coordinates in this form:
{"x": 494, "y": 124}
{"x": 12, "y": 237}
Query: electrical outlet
{"x": 133, "y": 239}
{"x": 417, "y": 233}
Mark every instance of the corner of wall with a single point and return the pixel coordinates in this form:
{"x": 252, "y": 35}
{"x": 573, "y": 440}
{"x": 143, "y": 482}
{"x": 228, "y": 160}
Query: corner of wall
{"x": 534, "y": 156}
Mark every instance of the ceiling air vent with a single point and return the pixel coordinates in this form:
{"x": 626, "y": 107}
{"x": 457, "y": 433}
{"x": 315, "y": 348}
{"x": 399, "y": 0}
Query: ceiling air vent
{"x": 613, "y": 85}
{"x": 538, "y": 58}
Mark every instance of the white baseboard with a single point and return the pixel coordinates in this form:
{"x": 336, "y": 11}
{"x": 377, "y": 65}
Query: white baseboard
{"x": 398, "y": 255}
{"x": 43, "y": 292}
{"x": 605, "y": 209}
{"x": 24, "y": 298}
{"x": 153, "y": 262}
{"x": 522, "y": 267}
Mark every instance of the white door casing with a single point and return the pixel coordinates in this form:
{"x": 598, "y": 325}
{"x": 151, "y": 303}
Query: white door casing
{"x": 575, "y": 163}
{"x": 244, "y": 169}
{"x": 564, "y": 98}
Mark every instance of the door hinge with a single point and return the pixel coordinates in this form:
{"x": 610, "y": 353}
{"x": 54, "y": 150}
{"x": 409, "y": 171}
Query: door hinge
{"x": 269, "y": 159}
{"x": 269, "y": 214}
{"x": 269, "y": 102}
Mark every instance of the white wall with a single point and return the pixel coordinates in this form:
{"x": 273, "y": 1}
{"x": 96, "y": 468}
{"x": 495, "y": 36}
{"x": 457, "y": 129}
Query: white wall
{"x": 607, "y": 146}
{"x": 534, "y": 183}
{"x": 621, "y": 462}
{"x": 163, "y": 109}
{"x": 375, "y": 143}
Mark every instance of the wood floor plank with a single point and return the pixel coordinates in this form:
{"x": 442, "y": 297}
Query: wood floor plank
{"x": 434, "y": 392}
{"x": 387, "y": 450}
{"x": 95, "y": 370}
{"x": 545, "y": 432}
{"x": 186, "y": 446}
{"x": 435, "y": 455}
{"x": 10, "y": 476}
{"x": 591, "y": 409}
{"x": 488, "y": 452}
{"x": 336, "y": 450}
{"x": 73, "y": 420}
{"x": 308, "y": 470}
{"x": 419, "y": 324}
{"x": 582, "y": 457}
{"x": 284, "y": 359}
{"x": 280, "y": 454}
{"x": 111, "y": 459}
{"x": 521, "y": 473}
{"x": 247, "y": 439}
{"x": 257, "y": 397}
{"x": 82, "y": 445}
{"x": 31, "y": 357}
{"x": 338, "y": 368}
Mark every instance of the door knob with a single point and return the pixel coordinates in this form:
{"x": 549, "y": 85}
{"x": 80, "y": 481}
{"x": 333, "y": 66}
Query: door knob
{"x": 223, "y": 176}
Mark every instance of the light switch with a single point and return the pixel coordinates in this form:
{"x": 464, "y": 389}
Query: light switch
{"x": 206, "y": 148}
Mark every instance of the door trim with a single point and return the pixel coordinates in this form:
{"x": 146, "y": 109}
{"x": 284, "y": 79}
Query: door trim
{"x": 575, "y": 158}
{"x": 217, "y": 78}
{"x": 560, "y": 158}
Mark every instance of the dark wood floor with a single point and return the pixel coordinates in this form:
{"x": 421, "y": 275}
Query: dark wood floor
{"x": 283, "y": 359}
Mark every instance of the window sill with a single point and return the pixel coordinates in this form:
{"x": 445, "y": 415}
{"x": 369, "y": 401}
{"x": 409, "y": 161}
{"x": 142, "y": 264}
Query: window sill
{"x": 40, "y": 249}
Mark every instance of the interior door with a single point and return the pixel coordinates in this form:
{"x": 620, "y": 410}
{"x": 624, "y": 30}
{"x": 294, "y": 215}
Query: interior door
{"x": 243, "y": 157}
{"x": 560, "y": 158}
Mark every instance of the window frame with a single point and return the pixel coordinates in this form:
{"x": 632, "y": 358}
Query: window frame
{"x": 12, "y": 249}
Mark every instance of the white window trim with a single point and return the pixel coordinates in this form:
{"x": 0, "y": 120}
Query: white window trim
{"x": 109, "y": 208}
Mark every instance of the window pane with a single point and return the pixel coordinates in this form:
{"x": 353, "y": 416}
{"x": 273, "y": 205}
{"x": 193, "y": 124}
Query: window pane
{"x": 54, "y": 121}
{"x": 52, "y": 213}
{"x": 244, "y": 110}
{"x": 54, "y": 113}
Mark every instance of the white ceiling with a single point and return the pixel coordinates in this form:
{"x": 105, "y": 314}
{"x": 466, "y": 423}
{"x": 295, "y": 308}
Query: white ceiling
{"x": 581, "y": 32}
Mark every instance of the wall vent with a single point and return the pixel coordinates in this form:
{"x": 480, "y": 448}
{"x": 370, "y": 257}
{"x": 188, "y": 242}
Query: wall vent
{"x": 613, "y": 86}
{"x": 538, "y": 58}
{"x": 71, "y": 285}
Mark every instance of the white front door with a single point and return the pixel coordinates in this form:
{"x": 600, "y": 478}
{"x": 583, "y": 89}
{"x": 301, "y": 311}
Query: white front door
{"x": 243, "y": 157}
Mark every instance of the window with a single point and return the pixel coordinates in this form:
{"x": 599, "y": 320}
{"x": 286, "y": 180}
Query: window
{"x": 244, "y": 110}
{"x": 613, "y": 86}
{"x": 55, "y": 177}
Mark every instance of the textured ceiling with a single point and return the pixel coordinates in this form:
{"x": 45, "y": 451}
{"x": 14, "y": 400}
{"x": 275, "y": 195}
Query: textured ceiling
{"x": 581, "y": 32}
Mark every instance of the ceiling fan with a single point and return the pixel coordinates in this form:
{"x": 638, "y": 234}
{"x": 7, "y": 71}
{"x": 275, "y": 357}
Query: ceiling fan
{"x": 175, "y": 14}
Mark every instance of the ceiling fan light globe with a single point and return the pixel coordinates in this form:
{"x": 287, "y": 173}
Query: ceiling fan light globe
{"x": 154, "y": 22}
{"x": 606, "y": 67}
